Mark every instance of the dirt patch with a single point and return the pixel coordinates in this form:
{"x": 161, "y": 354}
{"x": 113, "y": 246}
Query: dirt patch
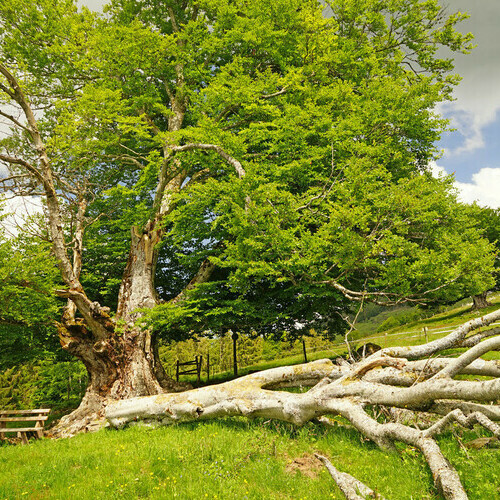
{"x": 307, "y": 464}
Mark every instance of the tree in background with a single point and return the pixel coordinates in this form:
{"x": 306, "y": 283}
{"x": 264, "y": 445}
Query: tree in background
{"x": 251, "y": 164}
{"x": 28, "y": 307}
{"x": 488, "y": 219}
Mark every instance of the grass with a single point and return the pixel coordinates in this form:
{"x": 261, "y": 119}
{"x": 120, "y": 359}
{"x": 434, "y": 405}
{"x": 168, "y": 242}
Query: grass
{"x": 227, "y": 459}
{"x": 412, "y": 334}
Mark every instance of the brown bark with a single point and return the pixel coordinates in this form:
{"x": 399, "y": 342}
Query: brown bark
{"x": 480, "y": 301}
{"x": 119, "y": 367}
{"x": 137, "y": 287}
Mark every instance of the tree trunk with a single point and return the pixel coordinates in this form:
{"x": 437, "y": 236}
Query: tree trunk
{"x": 119, "y": 367}
{"x": 137, "y": 288}
{"x": 480, "y": 301}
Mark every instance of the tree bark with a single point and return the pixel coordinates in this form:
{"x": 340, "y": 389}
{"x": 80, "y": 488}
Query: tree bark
{"x": 392, "y": 378}
{"x": 120, "y": 366}
{"x": 480, "y": 301}
{"x": 137, "y": 288}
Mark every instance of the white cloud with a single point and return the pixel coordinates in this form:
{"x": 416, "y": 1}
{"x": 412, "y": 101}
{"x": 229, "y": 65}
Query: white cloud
{"x": 484, "y": 188}
{"x": 436, "y": 170}
{"x": 477, "y": 101}
{"x": 95, "y": 5}
{"x": 19, "y": 209}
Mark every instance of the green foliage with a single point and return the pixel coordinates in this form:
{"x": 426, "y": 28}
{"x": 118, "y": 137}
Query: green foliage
{"x": 488, "y": 220}
{"x": 28, "y": 275}
{"x": 18, "y": 387}
{"x": 331, "y": 116}
{"x": 45, "y": 383}
{"x": 390, "y": 322}
{"x": 20, "y": 343}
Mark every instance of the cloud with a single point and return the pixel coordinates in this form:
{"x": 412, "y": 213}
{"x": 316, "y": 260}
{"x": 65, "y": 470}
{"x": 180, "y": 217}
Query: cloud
{"x": 95, "y": 5}
{"x": 19, "y": 209}
{"x": 477, "y": 101}
{"x": 484, "y": 188}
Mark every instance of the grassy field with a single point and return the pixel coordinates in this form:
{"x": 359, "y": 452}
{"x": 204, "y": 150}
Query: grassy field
{"x": 229, "y": 459}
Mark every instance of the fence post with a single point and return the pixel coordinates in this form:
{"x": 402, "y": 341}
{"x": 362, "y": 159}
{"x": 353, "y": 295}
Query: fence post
{"x": 234, "y": 336}
{"x": 208, "y": 367}
{"x": 177, "y": 371}
{"x": 304, "y": 349}
{"x": 425, "y": 333}
{"x": 199, "y": 361}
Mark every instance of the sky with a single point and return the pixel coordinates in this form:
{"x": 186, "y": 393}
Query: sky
{"x": 472, "y": 152}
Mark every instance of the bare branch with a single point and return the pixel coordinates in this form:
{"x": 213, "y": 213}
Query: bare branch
{"x": 15, "y": 121}
{"x": 352, "y": 488}
{"x": 212, "y": 147}
{"x": 12, "y": 160}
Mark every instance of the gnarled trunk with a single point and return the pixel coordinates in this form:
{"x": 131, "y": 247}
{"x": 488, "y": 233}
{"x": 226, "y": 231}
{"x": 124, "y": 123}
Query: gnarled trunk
{"x": 119, "y": 367}
{"x": 480, "y": 301}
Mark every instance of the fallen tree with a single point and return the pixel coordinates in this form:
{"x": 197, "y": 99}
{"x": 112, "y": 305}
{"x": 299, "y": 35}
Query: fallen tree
{"x": 417, "y": 378}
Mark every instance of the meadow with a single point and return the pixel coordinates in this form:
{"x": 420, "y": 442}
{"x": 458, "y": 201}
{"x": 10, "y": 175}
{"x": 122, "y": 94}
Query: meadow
{"x": 229, "y": 459}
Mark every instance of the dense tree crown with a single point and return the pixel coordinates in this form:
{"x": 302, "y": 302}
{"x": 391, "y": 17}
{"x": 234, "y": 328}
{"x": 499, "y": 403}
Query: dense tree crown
{"x": 208, "y": 165}
{"x": 216, "y": 164}
{"x": 285, "y": 142}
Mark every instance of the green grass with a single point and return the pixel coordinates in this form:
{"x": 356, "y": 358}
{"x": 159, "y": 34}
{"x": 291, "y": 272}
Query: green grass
{"x": 236, "y": 458}
{"x": 226, "y": 459}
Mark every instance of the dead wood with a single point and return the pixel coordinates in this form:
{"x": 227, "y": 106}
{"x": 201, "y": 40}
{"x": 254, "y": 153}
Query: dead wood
{"x": 417, "y": 379}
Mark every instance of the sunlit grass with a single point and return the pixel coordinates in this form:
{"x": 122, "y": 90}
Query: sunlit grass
{"x": 225, "y": 459}
{"x": 229, "y": 459}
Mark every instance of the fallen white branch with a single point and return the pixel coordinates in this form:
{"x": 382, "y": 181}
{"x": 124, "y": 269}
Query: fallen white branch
{"x": 387, "y": 379}
{"x": 352, "y": 488}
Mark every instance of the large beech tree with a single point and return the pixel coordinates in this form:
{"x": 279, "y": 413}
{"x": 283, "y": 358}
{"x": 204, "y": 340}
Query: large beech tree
{"x": 250, "y": 156}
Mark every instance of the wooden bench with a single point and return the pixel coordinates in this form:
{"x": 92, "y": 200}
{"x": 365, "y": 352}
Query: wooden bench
{"x": 36, "y": 417}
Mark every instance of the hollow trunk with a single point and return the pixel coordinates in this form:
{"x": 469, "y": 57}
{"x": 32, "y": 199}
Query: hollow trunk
{"x": 480, "y": 301}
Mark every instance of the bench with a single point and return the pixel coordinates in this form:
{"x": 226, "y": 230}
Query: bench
{"x": 35, "y": 417}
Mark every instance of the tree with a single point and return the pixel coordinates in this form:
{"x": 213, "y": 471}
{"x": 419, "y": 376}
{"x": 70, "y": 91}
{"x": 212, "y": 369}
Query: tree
{"x": 399, "y": 380}
{"x": 28, "y": 307}
{"x": 277, "y": 154}
{"x": 488, "y": 220}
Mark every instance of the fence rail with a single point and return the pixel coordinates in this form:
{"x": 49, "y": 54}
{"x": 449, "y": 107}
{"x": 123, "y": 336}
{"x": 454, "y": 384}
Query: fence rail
{"x": 189, "y": 371}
